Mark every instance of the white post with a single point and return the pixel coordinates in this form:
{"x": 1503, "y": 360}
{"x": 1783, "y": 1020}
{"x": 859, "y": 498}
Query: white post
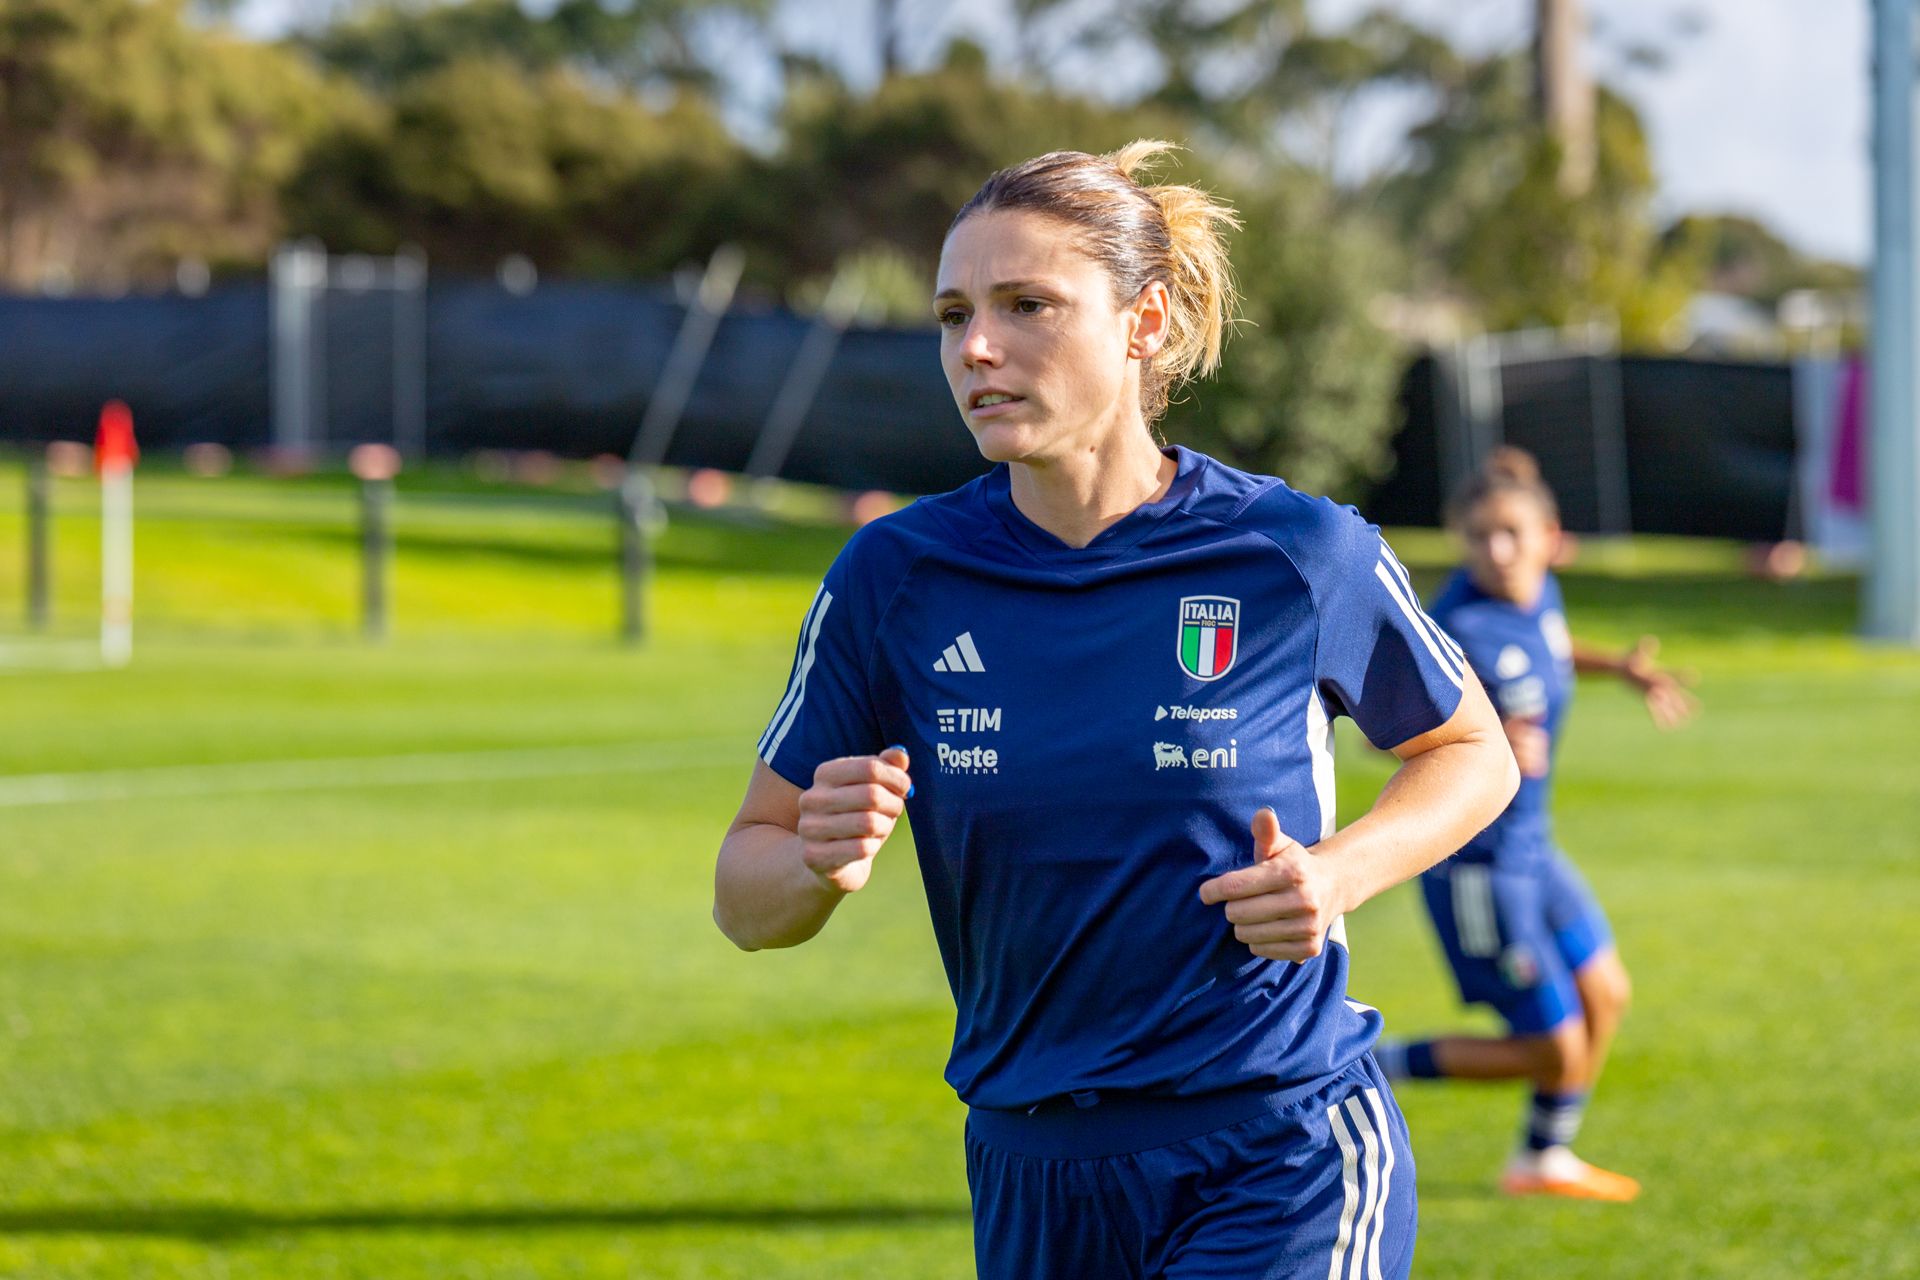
{"x": 116, "y": 566}
{"x": 1891, "y": 599}
{"x": 114, "y": 452}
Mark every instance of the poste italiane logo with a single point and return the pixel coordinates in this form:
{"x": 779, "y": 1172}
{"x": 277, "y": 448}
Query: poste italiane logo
{"x": 1209, "y": 635}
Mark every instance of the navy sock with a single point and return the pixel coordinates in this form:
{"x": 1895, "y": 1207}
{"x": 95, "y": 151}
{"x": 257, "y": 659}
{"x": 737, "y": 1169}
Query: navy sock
{"x": 1553, "y": 1119}
{"x": 1407, "y": 1060}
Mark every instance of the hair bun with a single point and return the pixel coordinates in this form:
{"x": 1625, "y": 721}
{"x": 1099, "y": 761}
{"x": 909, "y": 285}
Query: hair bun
{"x": 1511, "y": 464}
{"x": 1134, "y": 157}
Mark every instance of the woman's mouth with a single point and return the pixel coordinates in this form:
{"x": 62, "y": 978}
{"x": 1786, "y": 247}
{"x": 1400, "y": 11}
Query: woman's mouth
{"x": 990, "y": 404}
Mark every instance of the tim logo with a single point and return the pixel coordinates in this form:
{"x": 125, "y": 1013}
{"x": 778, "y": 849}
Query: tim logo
{"x": 1171, "y": 755}
{"x": 968, "y": 719}
{"x": 1209, "y": 635}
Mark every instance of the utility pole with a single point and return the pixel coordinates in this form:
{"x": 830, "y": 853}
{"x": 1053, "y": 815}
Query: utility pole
{"x": 1890, "y": 604}
{"x": 1564, "y": 89}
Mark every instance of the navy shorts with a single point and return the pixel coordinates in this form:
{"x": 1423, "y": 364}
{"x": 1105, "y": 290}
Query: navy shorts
{"x": 1305, "y": 1184}
{"x": 1515, "y": 938}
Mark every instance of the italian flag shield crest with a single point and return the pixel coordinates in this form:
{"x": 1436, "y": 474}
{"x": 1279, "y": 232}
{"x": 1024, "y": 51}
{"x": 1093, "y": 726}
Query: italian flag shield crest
{"x": 1209, "y": 635}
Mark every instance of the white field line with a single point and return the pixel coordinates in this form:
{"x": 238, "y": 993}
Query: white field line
{"x": 25, "y": 790}
{"x": 77, "y": 655}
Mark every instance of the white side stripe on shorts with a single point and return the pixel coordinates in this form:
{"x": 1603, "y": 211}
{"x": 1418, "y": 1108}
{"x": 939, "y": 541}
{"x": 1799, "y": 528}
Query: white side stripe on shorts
{"x": 1370, "y": 1200}
{"x": 783, "y": 716}
{"x": 1443, "y": 658}
{"x": 1349, "y": 1189}
{"x": 1386, "y": 1178}
{"x": 1364, "y": 1183}
{"x": 1473, "y": 915}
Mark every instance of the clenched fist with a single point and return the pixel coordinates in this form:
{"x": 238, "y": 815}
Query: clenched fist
{"x": 1282, "y": 905}
{"x": 848, "y": 813}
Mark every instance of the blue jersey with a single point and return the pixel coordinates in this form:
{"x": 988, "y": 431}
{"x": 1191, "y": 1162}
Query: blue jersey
{"x": 1525, "y": 659}
{"x": 1092, "y": 731}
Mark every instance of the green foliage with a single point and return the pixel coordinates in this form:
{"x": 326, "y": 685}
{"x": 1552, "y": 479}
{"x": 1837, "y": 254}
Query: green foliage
{"x": 1307, "y": 384}
{"x": 1485, "y": 213}
{"x": 130, "y": 137}
{"x": 1743, "y": 256}
{"x": 481, "y": 158}
{"x": 389, "y": 42}
{"x": 895, "y": 165}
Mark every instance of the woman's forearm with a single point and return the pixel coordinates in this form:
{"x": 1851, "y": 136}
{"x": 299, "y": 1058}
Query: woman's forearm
{"x": 1434, "y": 803}
{"x": 764, "y": 895}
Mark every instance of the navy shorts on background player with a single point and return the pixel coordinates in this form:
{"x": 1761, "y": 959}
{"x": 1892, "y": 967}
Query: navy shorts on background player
{"x": 1514, "y": 915}
{"x": 1315, "y": 1184}
{"x": 1515, "y": 938}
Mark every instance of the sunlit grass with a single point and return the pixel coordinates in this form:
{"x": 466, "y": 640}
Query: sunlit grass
{"x": 487, "y": 1029}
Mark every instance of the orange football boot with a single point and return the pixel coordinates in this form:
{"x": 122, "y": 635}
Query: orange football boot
{"x": 1570, "y": 1177}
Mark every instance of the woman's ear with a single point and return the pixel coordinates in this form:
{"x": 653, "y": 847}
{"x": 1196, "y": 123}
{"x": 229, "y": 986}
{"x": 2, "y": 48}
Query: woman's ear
{"x": 1152, "y": 315}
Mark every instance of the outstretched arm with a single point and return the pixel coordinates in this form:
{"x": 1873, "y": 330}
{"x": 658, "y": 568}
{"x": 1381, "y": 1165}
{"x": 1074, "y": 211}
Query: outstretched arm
{"x": 1452, "y": 782}
{"x": 1667, "y": 698}
{"x": 790, "y": 856}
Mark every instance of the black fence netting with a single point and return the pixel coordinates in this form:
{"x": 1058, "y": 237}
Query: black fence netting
{"x": 568, "y": 368}
{"x": 1708, "y": 446}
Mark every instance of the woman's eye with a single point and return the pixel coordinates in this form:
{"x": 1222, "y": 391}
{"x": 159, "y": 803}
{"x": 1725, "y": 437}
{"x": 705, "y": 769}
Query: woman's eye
{"x": 953, "y": 318}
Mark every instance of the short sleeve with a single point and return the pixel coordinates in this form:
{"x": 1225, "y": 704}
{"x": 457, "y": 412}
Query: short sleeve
{"x": 1380, "y": 659}
{"x": 825, "y": 710}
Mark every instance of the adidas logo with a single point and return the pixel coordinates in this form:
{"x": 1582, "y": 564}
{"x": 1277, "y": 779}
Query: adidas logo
{"x": 961, "y": 656}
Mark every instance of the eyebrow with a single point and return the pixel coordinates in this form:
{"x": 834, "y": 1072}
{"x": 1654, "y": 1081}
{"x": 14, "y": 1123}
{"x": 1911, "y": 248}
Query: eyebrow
{"x": 1004, "y": 286}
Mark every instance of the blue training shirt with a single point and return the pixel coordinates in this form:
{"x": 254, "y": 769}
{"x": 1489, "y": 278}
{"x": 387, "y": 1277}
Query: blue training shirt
{"x": 1525, "y": 659}
{"x": 1092, "y": 731}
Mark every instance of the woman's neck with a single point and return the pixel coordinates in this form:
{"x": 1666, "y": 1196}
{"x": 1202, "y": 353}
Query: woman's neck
{"x": 1077, "y": 496}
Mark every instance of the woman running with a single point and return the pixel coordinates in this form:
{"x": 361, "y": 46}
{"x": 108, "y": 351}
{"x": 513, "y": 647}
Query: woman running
{"x": 1108, "y": 669}
{"x": 1521, "y": 929}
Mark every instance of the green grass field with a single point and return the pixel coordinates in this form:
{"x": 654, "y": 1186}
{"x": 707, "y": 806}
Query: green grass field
{"x": 458, "y": 1010}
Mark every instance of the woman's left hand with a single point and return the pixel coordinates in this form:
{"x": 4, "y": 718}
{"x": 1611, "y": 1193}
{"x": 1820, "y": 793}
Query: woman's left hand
{"x": 1282, "y": 905}
{"x": 1667, "y": 699}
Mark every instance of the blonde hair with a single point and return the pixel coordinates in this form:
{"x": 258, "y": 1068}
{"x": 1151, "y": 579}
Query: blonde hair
{"x": 1139, "y": 234}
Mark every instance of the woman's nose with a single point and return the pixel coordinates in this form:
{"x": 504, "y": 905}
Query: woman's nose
{"x": 977, "y": 346}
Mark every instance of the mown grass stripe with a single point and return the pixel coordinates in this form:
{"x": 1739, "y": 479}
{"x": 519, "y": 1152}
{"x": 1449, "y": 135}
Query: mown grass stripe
{"x": 421, "y": 769}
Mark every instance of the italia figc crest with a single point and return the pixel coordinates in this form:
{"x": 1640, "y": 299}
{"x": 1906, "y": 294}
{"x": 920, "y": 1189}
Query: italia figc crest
{"x": 1209, "y": 635}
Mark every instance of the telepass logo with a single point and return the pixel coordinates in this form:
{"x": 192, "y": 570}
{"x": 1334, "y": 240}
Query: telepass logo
{"x": 1209, "y": 635}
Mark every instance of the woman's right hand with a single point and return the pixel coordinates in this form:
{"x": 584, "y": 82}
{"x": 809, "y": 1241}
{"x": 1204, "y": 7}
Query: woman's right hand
{"x": 1532, "y": 746}
{"x": 848, "y": 813}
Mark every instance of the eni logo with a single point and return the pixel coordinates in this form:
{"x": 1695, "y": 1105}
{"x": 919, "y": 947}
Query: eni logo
{"x": 1171, "y": 755}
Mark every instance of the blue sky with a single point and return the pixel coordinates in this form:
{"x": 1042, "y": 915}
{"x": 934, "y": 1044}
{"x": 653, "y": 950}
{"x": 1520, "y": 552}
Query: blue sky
{"x": 1762, "y": 110}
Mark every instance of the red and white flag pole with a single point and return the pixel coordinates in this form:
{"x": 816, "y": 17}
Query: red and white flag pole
{"x": 114, "y": 453}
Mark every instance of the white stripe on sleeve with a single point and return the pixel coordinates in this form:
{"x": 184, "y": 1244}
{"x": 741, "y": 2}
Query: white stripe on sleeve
{"x": 793, "y": 681}
{"x": 800, "y": 677}
{"x": 1393, "y": 562}
{"x": 1442, "y": 658}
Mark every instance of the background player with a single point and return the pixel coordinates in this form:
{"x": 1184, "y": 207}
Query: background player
{"x": 1521, "y": 930}
{"x": 1112, "y": 667}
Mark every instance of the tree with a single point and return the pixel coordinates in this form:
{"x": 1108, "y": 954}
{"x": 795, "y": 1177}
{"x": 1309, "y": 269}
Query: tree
{"x": 1308, "y": 383}
{"x": 1482, "y": 211}
{"x": 637, "y": 43}
{"x": 1742, "y": 255}
{"x": 131, "y": 138}
{"x": 481, "y": 158}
